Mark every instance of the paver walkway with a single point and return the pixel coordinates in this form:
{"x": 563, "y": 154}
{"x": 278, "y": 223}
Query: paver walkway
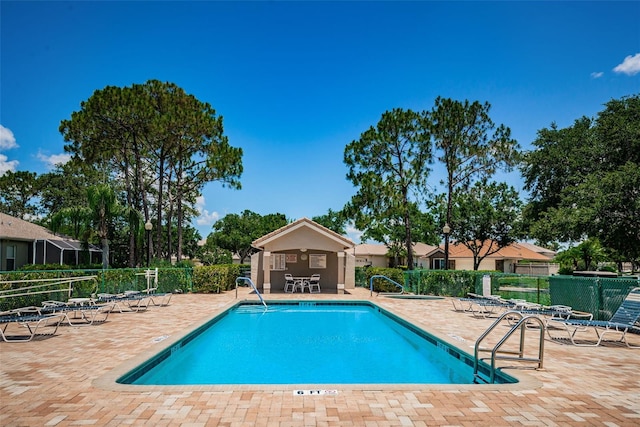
{"x": 59, "y": 381}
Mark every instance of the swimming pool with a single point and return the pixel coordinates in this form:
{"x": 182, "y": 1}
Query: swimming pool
{"x": 310, "y": 342}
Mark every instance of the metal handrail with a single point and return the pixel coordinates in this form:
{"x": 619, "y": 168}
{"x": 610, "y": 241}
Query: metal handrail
{"x": 520, "y": 325}
{"x": 380, "y": 276}
{"x": 246, "y": 279}
{"x": 42, "y": 283}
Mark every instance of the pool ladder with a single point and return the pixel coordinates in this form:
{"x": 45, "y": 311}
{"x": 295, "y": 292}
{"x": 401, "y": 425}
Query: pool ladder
{"x": 515, "y": 356}
{"x": 246, "y": 279}
{"x": 380, "y": 276}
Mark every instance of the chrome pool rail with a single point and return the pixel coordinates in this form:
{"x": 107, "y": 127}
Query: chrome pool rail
{"x": 380, "y": 276}
{"x": 246, "y": 279}
{"x": 516, "y": 356}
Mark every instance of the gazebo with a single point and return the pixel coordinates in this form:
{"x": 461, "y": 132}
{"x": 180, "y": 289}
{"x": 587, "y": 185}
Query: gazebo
{"x": 301, "y": 249}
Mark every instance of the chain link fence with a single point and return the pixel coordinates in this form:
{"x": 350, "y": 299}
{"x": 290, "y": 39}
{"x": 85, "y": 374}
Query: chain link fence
{"x": 596, "y": 295}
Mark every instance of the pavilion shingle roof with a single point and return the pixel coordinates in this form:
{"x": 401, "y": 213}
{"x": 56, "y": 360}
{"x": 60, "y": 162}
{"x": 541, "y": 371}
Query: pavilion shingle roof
{"x": 284, "y": 229}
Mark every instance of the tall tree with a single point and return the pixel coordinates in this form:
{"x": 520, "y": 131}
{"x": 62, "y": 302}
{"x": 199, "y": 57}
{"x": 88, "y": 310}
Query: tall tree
{"x": 66, "y": 186}
{"x": 469, "y": 145}
{"x": 73, "y": 221}
{"x": 485, "y": 218}
{"x": 334, "y": 221}
{"x": 18, "y": 191}
{"x": 389, "y": 165}
{"x": 235, "y": 232}
{"x": 104, "y": 207}
{"x": 598, "y": 192}
{"x": 153, "y": 140}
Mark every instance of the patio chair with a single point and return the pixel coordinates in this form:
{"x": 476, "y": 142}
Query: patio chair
{"x": 29, "y": 322}
{"x": 550, "y": 313}
{"x": 289, "y": 283}
{"x": 623, "y": 321}
{"x": 481, "y": 306}
{"x": 160, "y": 300}
{"x": 314, "y": 284}
{"x": 133, "y": 300}
{"x": 78, "y": 314}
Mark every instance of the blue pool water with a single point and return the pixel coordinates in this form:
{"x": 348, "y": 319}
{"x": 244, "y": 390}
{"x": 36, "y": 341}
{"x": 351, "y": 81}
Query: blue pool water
{"x": 305, "y": 343}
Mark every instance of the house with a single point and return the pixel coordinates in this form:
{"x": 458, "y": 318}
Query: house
{"x": 22, "y": 242}
{"x": 301, "y": 249}
{"x": 521, "y": 258}
{"x": 376, "y": 255}
{"x": 515, "y": 258}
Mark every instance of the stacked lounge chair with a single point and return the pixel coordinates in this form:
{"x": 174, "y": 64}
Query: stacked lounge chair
{"x": 624, "y": 320}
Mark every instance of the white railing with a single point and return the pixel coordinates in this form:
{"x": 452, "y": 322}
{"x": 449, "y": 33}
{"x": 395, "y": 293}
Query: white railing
{"x": 41, "y": 286}
{"x": 246, "y": 279}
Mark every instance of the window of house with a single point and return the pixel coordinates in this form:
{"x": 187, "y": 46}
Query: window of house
{"x": 438, "y": 264}
{"x": 11, "y": 258}
{"x": 278, "y": 261}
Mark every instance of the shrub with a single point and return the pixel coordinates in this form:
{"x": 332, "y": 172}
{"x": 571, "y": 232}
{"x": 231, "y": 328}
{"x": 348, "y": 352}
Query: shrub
{"x": 380, "y": 285}
{"x": 215, "y": 278}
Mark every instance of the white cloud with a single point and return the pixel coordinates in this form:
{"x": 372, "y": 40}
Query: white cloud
{"x": 597, "y": 75}
{"x": 353, "y": 233}
{"x": 54, "y": 159}
{"x": 205, "y": 217}
{"x": 630, "y": 66}
{"x": 7, "y": 140}
{"x": 6, "y": 165}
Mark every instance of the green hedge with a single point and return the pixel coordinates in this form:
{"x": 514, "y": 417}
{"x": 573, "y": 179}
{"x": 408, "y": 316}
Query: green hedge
{"x": 111, "y": 281}
{"x": 216, "y": 278}
{"x": 455, "y": 283}
{"x": 364, "y": 275}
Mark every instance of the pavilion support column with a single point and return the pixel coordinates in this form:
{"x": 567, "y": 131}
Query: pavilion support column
{"x": 266, "y": 266}
{"x": 341, "y": 257}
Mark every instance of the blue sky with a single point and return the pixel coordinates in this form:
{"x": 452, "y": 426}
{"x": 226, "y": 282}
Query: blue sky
{"x": 298, "y": 81}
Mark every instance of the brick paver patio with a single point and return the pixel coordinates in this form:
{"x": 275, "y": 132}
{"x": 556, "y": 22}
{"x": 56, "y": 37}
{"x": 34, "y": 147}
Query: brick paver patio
{"x": 65, "y": 380}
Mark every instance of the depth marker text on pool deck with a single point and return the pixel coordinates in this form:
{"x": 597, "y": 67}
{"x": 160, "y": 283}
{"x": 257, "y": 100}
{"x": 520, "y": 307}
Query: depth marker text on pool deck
{"x": 315, "y": 392}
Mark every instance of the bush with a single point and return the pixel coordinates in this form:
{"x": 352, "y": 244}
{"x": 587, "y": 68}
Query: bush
{"x": 364, "y": 275}
{"x": 455, "y": 283}
{"x": 215, "y": 278}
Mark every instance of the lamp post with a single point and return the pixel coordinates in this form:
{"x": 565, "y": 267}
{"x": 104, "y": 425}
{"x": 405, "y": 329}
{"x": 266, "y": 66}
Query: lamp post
{"x": 446, "y": 230}
{"x": 147, "y": 227}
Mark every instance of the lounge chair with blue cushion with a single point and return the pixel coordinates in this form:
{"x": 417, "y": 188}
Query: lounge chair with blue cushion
{"x": 78, "y": 314}
{"x": 129, "y": 301}
{"x": 624, "y": 320}
{"x": 27, "y": 321}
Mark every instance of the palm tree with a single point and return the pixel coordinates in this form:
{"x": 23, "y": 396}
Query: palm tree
{"x": 73, "y": 221}
{"x": 104, "y": 207}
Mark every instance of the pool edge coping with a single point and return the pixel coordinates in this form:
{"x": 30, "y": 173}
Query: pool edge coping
{"x": 108, "y": 381}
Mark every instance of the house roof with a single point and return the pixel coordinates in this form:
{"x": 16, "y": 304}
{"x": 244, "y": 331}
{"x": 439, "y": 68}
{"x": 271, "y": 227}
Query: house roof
{"x": 302, "y": 222}
{"x": 378, "y": 249}
{"x": 539, "y": 249}
{"x": 513, "y": 251}
{"x": 12, "y": 228}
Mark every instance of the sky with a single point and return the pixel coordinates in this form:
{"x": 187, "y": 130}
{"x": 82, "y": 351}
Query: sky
{"x": 296, "y": 82}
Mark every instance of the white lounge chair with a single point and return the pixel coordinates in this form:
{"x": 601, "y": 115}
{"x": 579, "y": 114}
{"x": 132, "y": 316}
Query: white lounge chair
{"x": 623, "y": 321}
{"x": 30, "y": 322}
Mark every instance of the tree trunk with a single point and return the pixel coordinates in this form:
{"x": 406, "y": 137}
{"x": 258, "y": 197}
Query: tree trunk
{"x": 105, "y": 253}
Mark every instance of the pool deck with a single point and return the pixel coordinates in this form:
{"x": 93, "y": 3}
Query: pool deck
{"x": 64, "y": 380}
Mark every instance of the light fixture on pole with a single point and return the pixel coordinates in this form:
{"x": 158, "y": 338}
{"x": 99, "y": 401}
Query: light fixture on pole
{"x": 446, "y": 230}
{"x": 148, "y": 227}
